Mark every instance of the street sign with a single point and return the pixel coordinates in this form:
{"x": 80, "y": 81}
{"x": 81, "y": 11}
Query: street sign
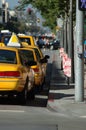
{"x": 59, "y": 22}
{"x": 82, "y": 5}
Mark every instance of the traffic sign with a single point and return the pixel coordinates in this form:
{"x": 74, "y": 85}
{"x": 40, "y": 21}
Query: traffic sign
{"x": 59, "y": 22}
{"x": 82, "y": 5}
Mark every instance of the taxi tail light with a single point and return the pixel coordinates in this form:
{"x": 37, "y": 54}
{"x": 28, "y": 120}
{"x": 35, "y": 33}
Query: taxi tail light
{"x": 10, "y": 74}
{"x": 36, "y": 70}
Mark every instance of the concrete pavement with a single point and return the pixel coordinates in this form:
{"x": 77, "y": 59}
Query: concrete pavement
{"x": 61, "y": 95}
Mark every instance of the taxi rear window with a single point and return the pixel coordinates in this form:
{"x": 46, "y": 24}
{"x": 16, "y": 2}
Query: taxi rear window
{"x": 7, "y": 56}
{"x": 28, "y": 54}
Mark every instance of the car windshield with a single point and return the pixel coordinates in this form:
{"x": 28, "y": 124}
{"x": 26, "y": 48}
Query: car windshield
{"x": 7, "y": 56}
{"x": 28, "y": 54}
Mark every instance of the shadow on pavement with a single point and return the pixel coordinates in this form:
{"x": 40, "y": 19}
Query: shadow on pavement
{"x": 59, "y": 95}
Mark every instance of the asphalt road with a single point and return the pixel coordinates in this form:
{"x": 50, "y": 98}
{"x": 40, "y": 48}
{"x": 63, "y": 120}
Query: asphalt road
{"x": 35, "y": 115}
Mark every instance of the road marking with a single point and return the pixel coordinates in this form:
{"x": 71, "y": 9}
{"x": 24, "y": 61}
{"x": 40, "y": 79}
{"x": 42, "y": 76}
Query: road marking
{"x": 13, "y": 111}
{"x": 41, "y": 96}
{"x": 60, "y": 84}
{"x": 83, "y": 116}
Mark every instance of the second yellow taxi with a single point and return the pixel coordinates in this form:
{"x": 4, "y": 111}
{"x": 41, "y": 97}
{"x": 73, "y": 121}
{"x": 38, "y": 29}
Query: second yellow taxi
{"x": 34, "y": 56}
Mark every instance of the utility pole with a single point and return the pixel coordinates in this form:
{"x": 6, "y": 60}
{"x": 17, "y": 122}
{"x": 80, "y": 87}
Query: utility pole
{"x": 79, "y": 64}
{"x": 65, "y": 33}
{"x": 4, "y": 12}
{"x": 71, "y": 43}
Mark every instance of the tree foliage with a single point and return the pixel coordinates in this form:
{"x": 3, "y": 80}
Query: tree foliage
{"x": 50, "y": 9}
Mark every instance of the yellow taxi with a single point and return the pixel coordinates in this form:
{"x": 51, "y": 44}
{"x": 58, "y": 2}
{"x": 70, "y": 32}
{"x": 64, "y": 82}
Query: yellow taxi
{"x": 40, "y": 55}
{"x": 33, "y": 56}
{"x": 43, "y": 57}
{"x": 15, "y": 73}
{"x": 26, "y": 39}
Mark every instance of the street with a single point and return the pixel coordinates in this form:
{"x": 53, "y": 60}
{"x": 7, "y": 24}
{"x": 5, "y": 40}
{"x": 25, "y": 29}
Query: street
{"x": 58, "y": 29}
{"x": 36, "y": 114}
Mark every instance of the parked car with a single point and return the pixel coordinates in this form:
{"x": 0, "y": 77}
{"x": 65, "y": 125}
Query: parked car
{"x": 54, "y": 44}
{"x": 15, "y": 74}
{"x": 40, "y": 55}
{"x": 34, "y": 56}
{"x": 40, "y": 42}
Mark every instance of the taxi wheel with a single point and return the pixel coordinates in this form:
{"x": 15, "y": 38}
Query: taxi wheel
{"x": 22, "y": 96}
{"x": 42, "y": 85}
{"x": 31, "y": 94}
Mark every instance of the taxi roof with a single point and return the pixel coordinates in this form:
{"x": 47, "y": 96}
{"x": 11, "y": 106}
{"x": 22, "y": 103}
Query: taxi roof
{"x": 23, "y": 35}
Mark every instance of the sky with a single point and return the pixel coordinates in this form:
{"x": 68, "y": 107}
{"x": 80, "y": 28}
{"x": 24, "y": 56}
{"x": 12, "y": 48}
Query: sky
{"x": 12, "y": 3}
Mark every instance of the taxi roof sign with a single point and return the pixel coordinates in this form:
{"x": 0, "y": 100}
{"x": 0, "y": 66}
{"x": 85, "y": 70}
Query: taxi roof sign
{"x": 14, "y": 41}
{"x": 14, "y": 38}
{"x": 14, "y": 44}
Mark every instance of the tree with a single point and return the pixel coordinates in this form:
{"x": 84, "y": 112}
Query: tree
{"x": 50, "y": 9}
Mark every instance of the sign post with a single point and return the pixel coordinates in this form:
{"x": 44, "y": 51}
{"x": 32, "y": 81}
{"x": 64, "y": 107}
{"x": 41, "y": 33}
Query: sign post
{"x": 79, "y": 64}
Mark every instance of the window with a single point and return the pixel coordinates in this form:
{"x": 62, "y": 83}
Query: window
{"x": 37, "y": 54}
{"x": 28, "y": 54}
{"x": 7, "y": 56}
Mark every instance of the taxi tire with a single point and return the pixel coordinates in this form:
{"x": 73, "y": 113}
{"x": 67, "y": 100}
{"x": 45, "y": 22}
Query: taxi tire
{"x": 42, "y": 85}
{"x": 22, "y": 96}
{"x": 31, "y": 94}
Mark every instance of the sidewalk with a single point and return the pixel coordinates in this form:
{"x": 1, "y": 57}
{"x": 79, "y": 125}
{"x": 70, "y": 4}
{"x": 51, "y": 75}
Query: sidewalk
{"x": 61, "y": 95}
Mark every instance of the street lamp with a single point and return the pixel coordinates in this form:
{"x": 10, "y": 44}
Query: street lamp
{"x": 6, "y": 12}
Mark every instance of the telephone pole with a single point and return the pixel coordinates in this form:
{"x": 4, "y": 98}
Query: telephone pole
{"x": 4, "y": 11}
{"x": 79, "y": 64}
{"x": 71, "y": 43}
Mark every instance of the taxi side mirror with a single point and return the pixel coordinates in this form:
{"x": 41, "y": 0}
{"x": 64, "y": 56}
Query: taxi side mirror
{"x": 44, "y": 60}
{"x": 46, "y": 56}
